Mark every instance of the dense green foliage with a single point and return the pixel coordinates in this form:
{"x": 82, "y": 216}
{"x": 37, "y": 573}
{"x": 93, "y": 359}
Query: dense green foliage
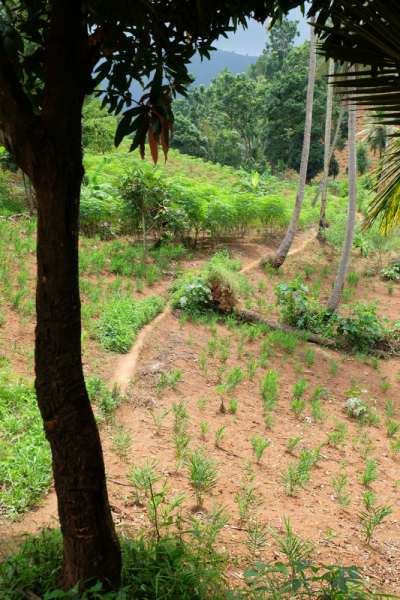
{"x": 257, "y": 120}
{"x": 25, "y": 464}
{"x": 123, "y": 317}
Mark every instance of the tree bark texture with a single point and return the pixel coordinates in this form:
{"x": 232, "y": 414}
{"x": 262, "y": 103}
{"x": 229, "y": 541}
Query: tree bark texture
{"x": 287, "y": 242}
{"x": 48, "y": 150}
{"x": 351, "y": 210}
{"x": 328, "y": 126}
{"x": 252, "y": 317}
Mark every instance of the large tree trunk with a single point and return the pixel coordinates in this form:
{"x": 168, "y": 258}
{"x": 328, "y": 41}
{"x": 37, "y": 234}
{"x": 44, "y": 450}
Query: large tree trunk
{"x": 351, "y": 212}
{"x": 327, "y": 158}
{"x": 282, "y": 252}
{"x": 91, "y": 547}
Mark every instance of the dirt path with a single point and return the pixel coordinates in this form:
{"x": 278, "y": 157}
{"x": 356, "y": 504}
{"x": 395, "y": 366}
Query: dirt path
{"x": 125, "y": 369}
{"x": 123, "y": 374}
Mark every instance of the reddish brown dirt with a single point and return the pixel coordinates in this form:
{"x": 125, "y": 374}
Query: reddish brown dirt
{"x": 315, "y": 513}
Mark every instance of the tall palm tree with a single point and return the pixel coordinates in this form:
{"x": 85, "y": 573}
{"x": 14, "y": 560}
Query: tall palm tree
{"x": 367, "y": 33}
{"x": 282, "y": 252}
{"x": 327, "y": 157}
{"x": 334, "y": 300}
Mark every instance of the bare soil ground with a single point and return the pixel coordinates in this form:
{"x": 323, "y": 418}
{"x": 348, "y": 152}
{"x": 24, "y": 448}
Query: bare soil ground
{"x": 315, "y": 513}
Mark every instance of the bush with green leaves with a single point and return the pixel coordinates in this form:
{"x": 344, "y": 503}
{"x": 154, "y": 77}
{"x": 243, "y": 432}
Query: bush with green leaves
{"x": 299, "y": 309}
{"x": 391, "y": 271}
{"x": 191, "y": 292}
{"x": 122, "y": 319}
{"x": 171, "y": 568}
{"x": 361, "y": 325}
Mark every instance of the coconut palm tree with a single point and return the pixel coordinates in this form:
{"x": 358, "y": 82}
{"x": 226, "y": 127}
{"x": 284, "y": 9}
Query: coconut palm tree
{"x": 351, "y": 210}
{"x": 367, "y": 33}
{"x": 327, "y": 156}
{"x": 282, "y": 252}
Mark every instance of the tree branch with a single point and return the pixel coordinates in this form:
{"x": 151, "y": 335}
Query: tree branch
{"x": 17, "y": 117}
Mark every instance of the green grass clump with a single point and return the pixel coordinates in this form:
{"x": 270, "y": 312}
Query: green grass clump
{"x": 123, "y": 318}
{"x": 25, "y": 458}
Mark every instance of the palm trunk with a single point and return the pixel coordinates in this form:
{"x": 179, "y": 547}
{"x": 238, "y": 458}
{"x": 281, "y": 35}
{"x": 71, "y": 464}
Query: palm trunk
{"x": 333, "y": 145}
{"x": 285, "y": 246}
{"x": 144, "y": 236}
{"x": 328, "y": 126}
{"x": 351, "y": 212}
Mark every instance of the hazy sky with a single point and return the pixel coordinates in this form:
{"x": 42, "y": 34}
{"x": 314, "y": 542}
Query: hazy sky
{"x": 252, "y": 40}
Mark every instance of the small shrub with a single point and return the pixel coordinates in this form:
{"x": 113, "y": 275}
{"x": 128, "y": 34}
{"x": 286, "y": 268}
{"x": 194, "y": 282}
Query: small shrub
{"x": 309, "y": 356}
{"x": 300, "y": 387}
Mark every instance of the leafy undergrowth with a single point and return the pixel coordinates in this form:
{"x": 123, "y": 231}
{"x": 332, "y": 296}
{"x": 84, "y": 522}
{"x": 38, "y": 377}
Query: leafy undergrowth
{"x": 25, "y": 457}
{"x": 183, "y": 567}
{"x": 25, "y": 463}
{"x": 123, "y": 317}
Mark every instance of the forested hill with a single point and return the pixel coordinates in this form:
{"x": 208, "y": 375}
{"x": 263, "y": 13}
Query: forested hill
{"x": 206, "y": 70}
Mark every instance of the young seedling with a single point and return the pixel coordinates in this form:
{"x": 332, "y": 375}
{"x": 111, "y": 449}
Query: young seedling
{"x": 390, "y": 409}
{"x": 298, "y": 407}
{"x": 259, "y": 444}
{"x": 333, "y": 367}
{"x": 202, "y": 403}
{"x": 121, "y": 443}
{"x": 319, "y": 392}
{"x": 158, "y": 419}
{"x": 212, "y": 346}
{"x": 300, "y": 387}
{"x": 162, "y": 383}
{"x": 317, "y": 412}
{"x": 385, "y": 385}
{"x": 219, "y": 435}
{"x": 292, "y": 443}
{"x": 309, "y": 356}
{"x": 174, "y": 377}
{"x": 202, "y": 472}
{"x": 203, "y": 364}
{"x": 339, "y": 435}
{"x": 204, "y": 426}
{"x": 233, "y": 379}
{"x": 371, "y": 518}
{"x": 256, "y": 538}
{"x": 292, "y": 546}
{"x": 395, "y": 445}
{"x": 339, "y": 483}
{"x": 294, "y": 478}
{"x": 370, "y": 474}
{"x": 233, "y": 405}
{"x": 142, "y": 478}
{"x": 241, "y": 348}
{"x": 269, "y": 421}
{"x": 269, "y": 390}
{"x": 249, "y": 502}
{"x": 224, "y": 352}
{"x": 251, "y": 368}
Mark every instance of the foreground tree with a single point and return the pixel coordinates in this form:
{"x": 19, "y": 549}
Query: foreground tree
{"x": 48, "y": 53}
{"x": 287, "y": 242}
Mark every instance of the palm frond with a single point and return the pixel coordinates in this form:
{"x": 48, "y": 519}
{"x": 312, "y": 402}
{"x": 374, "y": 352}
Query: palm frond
{"x": 365, "y": 33}
{"x": 386, "y": 204}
